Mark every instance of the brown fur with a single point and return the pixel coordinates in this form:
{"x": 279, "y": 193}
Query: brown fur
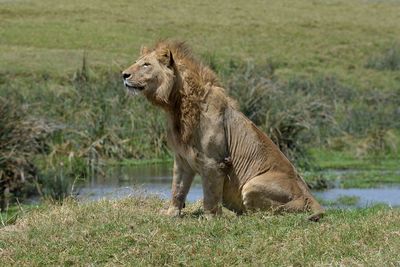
{"x": 240, "y": 166}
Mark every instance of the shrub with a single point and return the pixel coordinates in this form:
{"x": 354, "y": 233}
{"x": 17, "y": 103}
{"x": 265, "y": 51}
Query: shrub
{"x": 378, "y": 143}
{"x": 20, "y": 139}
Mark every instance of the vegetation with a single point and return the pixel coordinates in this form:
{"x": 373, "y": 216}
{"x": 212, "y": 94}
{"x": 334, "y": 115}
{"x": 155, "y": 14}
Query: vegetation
{"x": 132, "y": 232}
{"x": 336, "y": 37}
{"x": 262, "y": 96}
{"x": 110, "y": 128}
{"x": 20, "y": 138}
{"x": 387, "y": 60}
{"x": 348, "y": 160}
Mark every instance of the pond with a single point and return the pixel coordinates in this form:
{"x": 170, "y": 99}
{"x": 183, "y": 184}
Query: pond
{"x": 156, "y": 180}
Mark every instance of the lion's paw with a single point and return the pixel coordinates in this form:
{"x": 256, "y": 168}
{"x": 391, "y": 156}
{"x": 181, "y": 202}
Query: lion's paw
{"x": 171, "y": 212}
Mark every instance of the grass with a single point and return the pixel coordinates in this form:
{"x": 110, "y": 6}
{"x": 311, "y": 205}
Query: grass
{"x": 348, "y": 200}
{"x": 344, "y": 169}
{"x": 387, "y": 60}
{"x": 20, "y": 138}
{"x": 13, "y": 212}
{"x": 347, "y": 160}
{"x": 326, "y": 178}
{"x": 341, "y": 201}
{"x": 302, "y": 36}
{"x": 370, "y": 179}
{"x": 133, "y": 162}
{"x": 131, "y": 232}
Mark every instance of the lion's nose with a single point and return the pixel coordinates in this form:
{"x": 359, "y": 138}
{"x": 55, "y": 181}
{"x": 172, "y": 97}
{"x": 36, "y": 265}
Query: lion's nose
{"x": 126, "y": 75}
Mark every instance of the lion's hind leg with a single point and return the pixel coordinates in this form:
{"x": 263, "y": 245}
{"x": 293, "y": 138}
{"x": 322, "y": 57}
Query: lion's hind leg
{"x": 276, "y": 192}
{"x": 264, "y": 193}
{"x": 303, "y": 204}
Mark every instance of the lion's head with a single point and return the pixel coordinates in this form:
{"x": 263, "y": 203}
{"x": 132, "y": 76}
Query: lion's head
{"x": 171, "y": 77}
{"x": 152, "y": 74}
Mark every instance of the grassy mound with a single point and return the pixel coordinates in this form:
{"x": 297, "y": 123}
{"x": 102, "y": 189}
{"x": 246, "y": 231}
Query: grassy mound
{"x": 131, "y": 232}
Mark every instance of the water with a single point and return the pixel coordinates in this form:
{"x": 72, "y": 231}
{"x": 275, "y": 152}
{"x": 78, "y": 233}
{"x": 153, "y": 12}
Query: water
{"x": 156, "y": 180}
{"x": 130, "y": 181}
{"x": 364, "y": 197}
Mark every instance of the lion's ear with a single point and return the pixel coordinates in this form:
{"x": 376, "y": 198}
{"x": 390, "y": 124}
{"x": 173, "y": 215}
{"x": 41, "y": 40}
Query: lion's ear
{"x": 165, "y": 57}
{"x": 144, "y": 50}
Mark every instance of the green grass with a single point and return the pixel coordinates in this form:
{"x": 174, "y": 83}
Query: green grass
{"x": 344, "y": 169}
{"x": 369, "y": 179}
{"x": 49, "y": 37}
{"x": 346, "y": 201}
{"x": 135, "y": 162}
{"x": 13, "y": 212}
{"x": 346, "y": 159}
{"x": 131, "y": 232}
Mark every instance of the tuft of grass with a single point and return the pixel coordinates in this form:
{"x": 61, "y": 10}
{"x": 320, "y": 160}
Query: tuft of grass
{"x": 378, "y": 143}
{"x": 389, "y": 59}
{"x": 12, "y": 213}
{"x": 348, "y": 200}
{"x": 341, "y": 201}
{"x": 132, "y": 232}
{"x": 318, "y": 181}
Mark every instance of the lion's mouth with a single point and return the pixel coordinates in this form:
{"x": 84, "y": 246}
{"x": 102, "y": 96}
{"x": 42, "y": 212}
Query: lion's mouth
{"x": 134, "y": 88}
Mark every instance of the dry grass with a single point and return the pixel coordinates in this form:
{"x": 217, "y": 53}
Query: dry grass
{"x": 21, "y": 138}
{"x": 131, "y": 232}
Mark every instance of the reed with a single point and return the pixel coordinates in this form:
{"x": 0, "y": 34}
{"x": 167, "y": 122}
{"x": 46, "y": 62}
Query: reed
{"x": 21, "y": 137}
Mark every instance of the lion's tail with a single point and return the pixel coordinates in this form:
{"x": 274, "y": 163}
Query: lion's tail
{"x": 312, "y": 205}
{"x": 317, "y": 209}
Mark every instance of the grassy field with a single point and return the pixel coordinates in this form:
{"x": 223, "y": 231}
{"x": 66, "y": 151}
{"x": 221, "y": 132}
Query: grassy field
{"x": 301, "y": 37}
{"x": 131, "y": 232}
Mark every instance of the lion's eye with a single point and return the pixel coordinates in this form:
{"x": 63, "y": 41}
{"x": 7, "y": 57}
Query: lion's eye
{"x": 145, "y": 65}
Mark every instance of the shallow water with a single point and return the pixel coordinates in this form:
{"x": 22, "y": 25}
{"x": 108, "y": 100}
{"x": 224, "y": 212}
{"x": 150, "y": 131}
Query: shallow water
{"x": 129, "y": 181}
{"x": 156, "y": 180}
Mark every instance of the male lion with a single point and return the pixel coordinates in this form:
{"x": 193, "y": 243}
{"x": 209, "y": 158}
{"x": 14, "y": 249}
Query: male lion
{"x": 240, "y": 166}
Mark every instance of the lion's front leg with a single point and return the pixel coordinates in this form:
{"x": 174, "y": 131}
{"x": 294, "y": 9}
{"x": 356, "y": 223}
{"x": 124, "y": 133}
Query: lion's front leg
{"x": 213, "y": 185}
{"x": 182, "y": 179}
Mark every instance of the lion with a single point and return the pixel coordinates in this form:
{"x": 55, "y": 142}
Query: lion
{"x": 241, "y": 168}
